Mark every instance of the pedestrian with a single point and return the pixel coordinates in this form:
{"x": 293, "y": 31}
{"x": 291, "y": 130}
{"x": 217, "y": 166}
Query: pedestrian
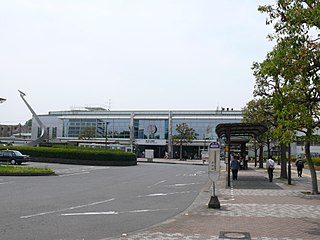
{"x": 234, "y": 165}
{"x": 300, "y": 165}
{"x": 270, "y": 167}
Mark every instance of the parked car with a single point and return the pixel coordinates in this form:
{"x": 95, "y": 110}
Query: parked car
{"x": 13, "y": 156}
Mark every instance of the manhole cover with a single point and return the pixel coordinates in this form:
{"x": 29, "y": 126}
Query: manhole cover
{"x": 235, "y": 235}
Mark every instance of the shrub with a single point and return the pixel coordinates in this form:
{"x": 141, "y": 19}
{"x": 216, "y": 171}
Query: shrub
{"x": 316, "y": 161}
{"x": 78, "y": 155}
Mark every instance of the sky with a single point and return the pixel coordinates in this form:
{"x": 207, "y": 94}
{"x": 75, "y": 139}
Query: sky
{"x": 128, "y": 54}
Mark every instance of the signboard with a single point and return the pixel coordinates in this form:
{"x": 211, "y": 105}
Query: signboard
{"x": 204, "y": 155}
{"x": 149, "y": 154}
{"x": 215, "y": 145}
{"x": 214, "y": 161}
{"x": 158, "y": 142}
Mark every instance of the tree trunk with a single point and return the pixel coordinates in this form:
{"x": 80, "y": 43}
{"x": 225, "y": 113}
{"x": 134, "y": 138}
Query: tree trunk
{"x": 261, "y": 157}
{"x": 180, "y": 150}
{"x": 283, "y": 172}
{"x": 255, "y": 156}
{"x": 313, "y": 172}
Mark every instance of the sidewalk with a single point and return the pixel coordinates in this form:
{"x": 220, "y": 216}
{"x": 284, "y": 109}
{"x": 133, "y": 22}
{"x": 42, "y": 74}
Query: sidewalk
{"x": 252, "y": 208}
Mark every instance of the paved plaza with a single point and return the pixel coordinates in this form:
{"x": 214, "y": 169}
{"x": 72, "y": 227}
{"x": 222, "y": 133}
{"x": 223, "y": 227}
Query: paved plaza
{"x": 252, "y": 208}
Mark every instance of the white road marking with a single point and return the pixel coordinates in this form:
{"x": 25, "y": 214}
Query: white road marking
{"x": 156, "y": 194}
{"x": 78, "y": 170}
{"x": 162, "y": 194}
{"x": 117, "y": 213}
{"x": 150, "y": 210}
{"x": 72, "y": 174}
{"x": 157, "y": 183}
{"x": 66, "y": 209}
{"x": 6, "y": 182}
{"x": 90, "y": 213}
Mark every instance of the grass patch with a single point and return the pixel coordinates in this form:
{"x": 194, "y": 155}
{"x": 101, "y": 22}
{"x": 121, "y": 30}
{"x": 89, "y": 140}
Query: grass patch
{"x": 15, "y": 169}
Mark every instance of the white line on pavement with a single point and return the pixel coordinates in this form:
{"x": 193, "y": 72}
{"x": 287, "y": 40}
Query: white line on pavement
{"x": 90, "y": 213}
{"x": 157, "y": 183}
{"x": 162, "y": 194}
{"x": 150, "y": 210}
{"x": 6, "y": 182}
{"x": 117, "y": 213}
{"x": 66, "y": 209}
{"x": 71, "y": 174}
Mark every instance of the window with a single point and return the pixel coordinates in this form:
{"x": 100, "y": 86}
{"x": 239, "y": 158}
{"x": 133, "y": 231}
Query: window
{"x": 54, "y": 132}
{"x": 151, "y": 129}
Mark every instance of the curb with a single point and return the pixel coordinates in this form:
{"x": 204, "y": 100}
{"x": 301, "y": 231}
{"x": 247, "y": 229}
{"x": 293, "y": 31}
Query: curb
{"x": 27, "y": 174}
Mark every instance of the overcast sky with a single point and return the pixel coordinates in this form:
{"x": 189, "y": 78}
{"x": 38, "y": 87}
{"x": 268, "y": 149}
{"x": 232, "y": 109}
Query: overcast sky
{"x": 128, "y": 54}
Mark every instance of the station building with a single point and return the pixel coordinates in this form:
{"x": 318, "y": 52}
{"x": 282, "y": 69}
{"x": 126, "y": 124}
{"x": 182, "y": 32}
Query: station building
{"x": 134, "y": 130}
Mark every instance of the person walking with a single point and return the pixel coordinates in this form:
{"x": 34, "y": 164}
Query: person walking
{"x": 234, "y": 165}
{"x": 300, "y": 165}
{"x": 270, "y": 167}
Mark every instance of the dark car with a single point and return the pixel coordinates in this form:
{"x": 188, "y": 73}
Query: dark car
{"x": 13, "y": 156}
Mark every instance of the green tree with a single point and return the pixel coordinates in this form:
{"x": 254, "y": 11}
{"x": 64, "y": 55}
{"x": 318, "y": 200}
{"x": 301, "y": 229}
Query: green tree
{"x": 185, "y": 134}
{"x": 87, "y": 133}
{"x": 260, "y": 110}
{"x": 271, "y": 85}
{"x": 28, "y": 123}
{"x": 290, "y": 72}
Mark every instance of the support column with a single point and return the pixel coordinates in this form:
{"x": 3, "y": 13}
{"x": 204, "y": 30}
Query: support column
{"x": 229, "y": 154}
{"x": 170, "y": 150}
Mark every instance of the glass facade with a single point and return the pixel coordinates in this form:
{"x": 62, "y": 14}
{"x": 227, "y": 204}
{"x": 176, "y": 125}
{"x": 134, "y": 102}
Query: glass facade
{"x": 151, "y": 129}
{"x": 115, "y": 128}
{"x": 118, "y": 128}
{"x": 204, "y": 128}
{"x": 147, "y": 126}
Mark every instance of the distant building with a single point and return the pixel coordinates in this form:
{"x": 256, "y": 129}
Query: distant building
{"x": 15, "y": 130}
{"x": 17, "y": 134}
{"x": 138, "y": 130}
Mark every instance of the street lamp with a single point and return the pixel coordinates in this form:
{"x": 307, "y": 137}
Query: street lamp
{"x": 2, "y": 100}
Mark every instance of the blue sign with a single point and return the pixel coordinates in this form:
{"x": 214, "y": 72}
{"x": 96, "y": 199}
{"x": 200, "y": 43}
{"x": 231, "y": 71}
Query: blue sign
{"x": 214, "y": 145}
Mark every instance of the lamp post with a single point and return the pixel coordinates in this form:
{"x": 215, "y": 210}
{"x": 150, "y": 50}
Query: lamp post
{"x": 106, "y": 133}
{"x": 2, "y": 100}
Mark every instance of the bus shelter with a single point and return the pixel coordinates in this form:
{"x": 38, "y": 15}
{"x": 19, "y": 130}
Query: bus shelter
{"x": 240, "y": 133}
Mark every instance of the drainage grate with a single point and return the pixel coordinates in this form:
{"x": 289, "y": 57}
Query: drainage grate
{"x": 235, "y": 235}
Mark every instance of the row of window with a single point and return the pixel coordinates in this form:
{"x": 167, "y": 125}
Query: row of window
{"x": 142, "y": 129}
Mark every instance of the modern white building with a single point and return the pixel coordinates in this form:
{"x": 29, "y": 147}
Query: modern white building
{"x": 138, "y": 130}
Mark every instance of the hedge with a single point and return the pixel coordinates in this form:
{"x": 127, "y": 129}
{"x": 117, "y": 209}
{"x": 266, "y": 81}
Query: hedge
{"x": 77, "y": 155}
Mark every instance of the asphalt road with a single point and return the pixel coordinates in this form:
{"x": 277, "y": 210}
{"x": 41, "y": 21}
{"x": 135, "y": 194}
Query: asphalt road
{"x": 86, "y": 202}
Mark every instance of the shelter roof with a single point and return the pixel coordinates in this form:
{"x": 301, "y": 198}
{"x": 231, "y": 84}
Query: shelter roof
{"x": 240, "y": 131}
